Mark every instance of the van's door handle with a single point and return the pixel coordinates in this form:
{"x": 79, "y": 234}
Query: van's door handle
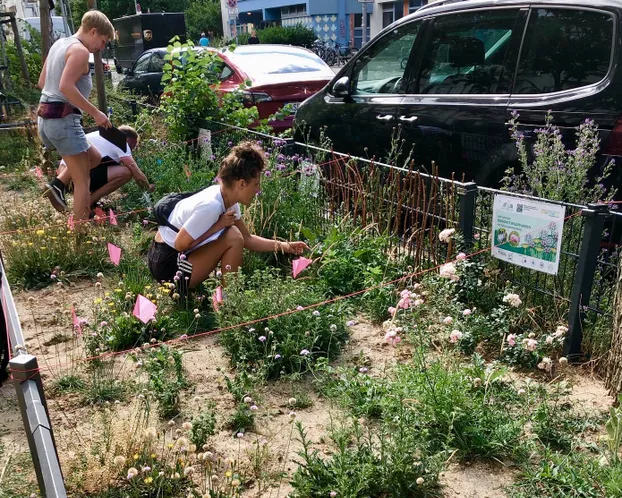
{"x": 386, "y": 117}
{"x": 409, "y": 119}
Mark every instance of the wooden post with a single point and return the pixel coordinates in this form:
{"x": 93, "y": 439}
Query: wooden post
{"x": 99, "y": 71}
{"x": 613, "y": 373}
{"x": 46, "y": 28}
{"x": 18, "y": 46}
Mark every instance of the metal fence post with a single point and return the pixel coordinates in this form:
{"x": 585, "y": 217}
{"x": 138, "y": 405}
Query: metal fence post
{"x": 466, "y": 217}
{"x": 595, "y": 215}
{"x": 25, "y": 372}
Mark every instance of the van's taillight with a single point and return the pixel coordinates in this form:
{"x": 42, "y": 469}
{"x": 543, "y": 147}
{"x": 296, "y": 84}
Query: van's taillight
{"x": 613, "y": 147}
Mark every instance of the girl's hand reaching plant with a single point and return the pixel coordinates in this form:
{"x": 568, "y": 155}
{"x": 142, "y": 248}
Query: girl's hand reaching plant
{"x": 226, "y": 219}
{"x": 296, "y": 247}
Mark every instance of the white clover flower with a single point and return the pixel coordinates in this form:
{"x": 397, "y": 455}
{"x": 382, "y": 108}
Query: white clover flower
{"x": 132, "y": 472}
{"x": 333, "y": 327}
{"x": 546, "y": 364}
{"x": 291, "y": 401}
{"x": 455, "y": 336}
{"x": 119, "y": 461}
{"x": 447, "y": 320}
{"x": 448, "y": 270}
{"x": 187, "y": 426}
{"x": 150, "y": 433}
{"x": 513, "y": 300}
{"x": 445, "y": 235}
{"x": 563, "y": 361}
{"x": 420, "y": 481}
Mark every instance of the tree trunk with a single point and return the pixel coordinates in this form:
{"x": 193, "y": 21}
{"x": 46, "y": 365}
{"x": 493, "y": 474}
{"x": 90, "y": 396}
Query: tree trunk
{"x": 613, "y": 373}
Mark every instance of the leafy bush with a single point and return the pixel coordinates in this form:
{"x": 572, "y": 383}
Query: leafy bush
{"x": 298, "y": 35}
{"x": 191, "y": 96}
{"x": 204, "y": 425}
{"x": 50, "y": 254}
{"x": 18, "y": 149}
{"x": 576, "y": 475}
{"x": 556, "y": 172}
{"x": 285, "y": 344}
{"x": 117, "y": 328}
{"x": 166, "y": 378}
{"x": 364, "y": 463}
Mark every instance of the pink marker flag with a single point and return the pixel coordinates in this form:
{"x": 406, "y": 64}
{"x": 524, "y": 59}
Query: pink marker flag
{"x": 100, "y": 215}
{"x": 115, "y": 253}
{"x": 38, "y": 172}
{"x": 217, "y": 298}
{"x": 144, "y": 309}
{"x": 76, "y": 321}
{"x": 299, "y": 265}
{"x": 112, "y": 218}
{"x": 70, "y": 222}
{"x": 187, "y": 171}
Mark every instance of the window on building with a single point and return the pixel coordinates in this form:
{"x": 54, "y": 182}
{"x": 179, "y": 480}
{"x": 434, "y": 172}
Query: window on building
{"x": 414, "y": 5}
{"x": 358, "y": 20}
{"x": 469, "y": 53}
{"x": 294, "y": 10}
{"x": 388, "y": 14}
{"x": 578, "y": 50}
{"x": 380, "y": 70}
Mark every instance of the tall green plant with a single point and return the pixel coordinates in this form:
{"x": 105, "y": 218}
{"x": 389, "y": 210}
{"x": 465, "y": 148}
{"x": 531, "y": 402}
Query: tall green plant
{"x": 191, "y": 93}
{"x": 556, "y": 172}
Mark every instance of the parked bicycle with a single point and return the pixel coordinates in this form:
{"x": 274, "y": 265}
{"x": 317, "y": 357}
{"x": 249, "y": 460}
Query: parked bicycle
{"x": 332, "y": 52}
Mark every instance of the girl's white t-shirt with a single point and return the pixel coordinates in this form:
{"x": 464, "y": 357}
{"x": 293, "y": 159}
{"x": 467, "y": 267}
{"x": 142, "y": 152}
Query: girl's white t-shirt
{"x": 197, "y": 214}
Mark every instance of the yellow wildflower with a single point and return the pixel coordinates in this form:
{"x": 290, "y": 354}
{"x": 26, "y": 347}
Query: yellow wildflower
{"x": 153, "y": 455}
{"x": 89, "y": 241}
{"x": 228, "y": 473}
{"x": 40, "y": 232}
{"x": 43, "y": 248}
{"x": 135, "y": 456}
{"x": 148, "y": 480}
{"x": 118, "y": 290}
{"x": 107, "y": 294}
{"x": 111, "y": 304}
{"x": 169, "y": 446}
{"x": 30, "y": 244}
{"x": 54, "y": 238}
{"x": 147, "y": 287}
{"x": 97, "y": 300}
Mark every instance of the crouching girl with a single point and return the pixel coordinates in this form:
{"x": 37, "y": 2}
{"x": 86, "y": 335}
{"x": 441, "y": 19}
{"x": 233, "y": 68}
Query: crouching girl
{"x": 210, "y": 226}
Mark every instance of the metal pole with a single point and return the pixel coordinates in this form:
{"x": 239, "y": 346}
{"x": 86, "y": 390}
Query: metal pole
{"x": 29, "y": 390}
{"x": 466, "y": 221}
{"x": 595, "y": 216}
{"x": 364, "y": 24}
{"x": 20, "y": 51}
{"x": 99, "y": 71}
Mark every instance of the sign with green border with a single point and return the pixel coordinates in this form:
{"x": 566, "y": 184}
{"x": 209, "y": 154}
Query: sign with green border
{"x": 527, "y": 233}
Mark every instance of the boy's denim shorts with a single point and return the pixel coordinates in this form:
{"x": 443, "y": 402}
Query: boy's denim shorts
{"x": 66, "y": 135}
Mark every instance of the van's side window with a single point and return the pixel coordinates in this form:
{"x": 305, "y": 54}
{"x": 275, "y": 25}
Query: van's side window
{"x": 564, "y": 49}
{"x": 157, "y": 62}
{"x": 382, "y": 67}
{"x": 469, "y": 53}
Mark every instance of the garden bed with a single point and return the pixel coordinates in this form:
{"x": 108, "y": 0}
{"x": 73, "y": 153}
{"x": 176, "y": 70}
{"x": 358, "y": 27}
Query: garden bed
{"x": 423, "y": 383}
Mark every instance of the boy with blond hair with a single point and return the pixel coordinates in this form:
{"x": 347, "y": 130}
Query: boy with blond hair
{"x": 66, "y": 84}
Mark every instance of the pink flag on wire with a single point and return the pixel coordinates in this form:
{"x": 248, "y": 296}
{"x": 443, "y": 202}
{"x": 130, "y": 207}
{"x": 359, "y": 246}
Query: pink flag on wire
{"x": 38, "y": 172}
{"x": 115, "y": 253}
{"x": 76, "y": 321}
{"x": 217, "y": 298}
{"x": 299, "y": 265}
{"x": 112, "y": 218}
{"x": 144, "y": 309}
{"x": 187, "y": 171}
{"x": 100, "y": 215}
{"x": 70, "y": 222}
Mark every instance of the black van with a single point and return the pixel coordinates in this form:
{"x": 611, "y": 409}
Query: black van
{"x": 452, "y": 73}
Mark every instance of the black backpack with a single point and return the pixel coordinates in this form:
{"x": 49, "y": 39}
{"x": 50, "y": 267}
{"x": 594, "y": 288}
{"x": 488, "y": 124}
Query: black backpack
{"x": 164, "y": 207}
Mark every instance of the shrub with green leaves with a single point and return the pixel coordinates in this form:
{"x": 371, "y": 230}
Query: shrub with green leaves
{"x": 46, "y": 252}
{"x": 166, "y": 377}
{"x": 370, "y": 463}
{"x": 204, "y": 425}
{"x": 298, "y": 35}
{"x": 279, "y": 344}
{"x": 191, "y": 79}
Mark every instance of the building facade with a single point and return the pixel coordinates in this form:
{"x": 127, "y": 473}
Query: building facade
{"x": 337, "y": 20}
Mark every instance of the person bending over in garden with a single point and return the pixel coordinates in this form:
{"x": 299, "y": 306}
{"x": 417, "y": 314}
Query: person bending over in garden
{"x": 117, "y": 167}
{"x": 210, "y": 226}
{"x": 66, "y": 83}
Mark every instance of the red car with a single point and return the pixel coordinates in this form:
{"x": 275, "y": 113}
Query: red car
{"x": 279, "y": 75}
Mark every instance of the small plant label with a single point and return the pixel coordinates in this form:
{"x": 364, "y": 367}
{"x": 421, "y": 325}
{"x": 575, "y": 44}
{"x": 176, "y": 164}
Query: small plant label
{"x": 527, "y": 233}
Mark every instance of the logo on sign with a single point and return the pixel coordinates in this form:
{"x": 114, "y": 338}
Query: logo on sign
{"x": 232, "y": 3}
